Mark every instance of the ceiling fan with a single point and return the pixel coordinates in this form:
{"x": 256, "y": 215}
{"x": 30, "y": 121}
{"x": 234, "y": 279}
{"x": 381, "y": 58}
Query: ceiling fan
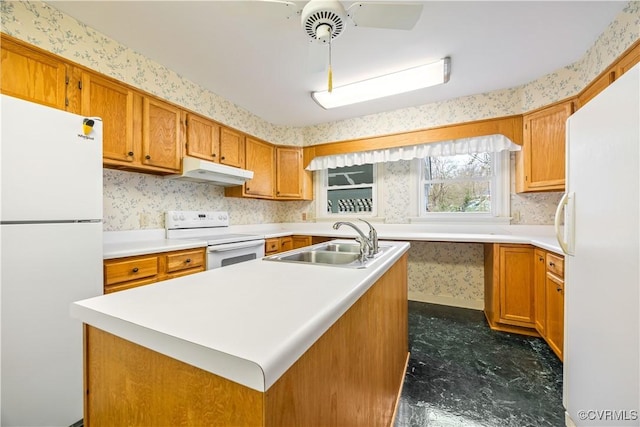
{"x": 325, "y": 20}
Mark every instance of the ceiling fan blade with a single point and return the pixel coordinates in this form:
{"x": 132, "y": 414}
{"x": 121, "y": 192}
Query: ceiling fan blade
{"x": 279, "y": 8}
{"x": 393, "y": 16}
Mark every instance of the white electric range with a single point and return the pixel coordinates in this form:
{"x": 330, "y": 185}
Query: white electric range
{"x": 223, "y": 248}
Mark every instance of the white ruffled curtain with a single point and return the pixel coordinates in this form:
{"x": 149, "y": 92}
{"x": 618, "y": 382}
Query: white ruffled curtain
{"x": 477, "y": 144}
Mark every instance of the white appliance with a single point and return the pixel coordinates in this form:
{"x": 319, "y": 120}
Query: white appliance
{"x": 51, "y": 253}
{"x": 223, "y": 248}
{"x": 602, "y": 267}
{"x": 199, "y": 170}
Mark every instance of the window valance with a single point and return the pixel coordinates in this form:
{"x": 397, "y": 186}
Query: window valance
{"x": 478, "y": 144}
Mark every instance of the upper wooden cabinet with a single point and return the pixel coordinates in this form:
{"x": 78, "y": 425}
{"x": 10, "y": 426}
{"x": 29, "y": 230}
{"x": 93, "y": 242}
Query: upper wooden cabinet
{"x": 32, "y": 75}
{"x": 140, "y": 132}
{"x": 259, "y": 158}
{"x": 292, "y": 181}
{"x": 114, "y": 103}
{"x": 278, "y": 173}
{"x": 232, "y": 151}
{"x": 203, "y": 138}
{"x": 162, "y": 133}
{"x": 540, "y": 165}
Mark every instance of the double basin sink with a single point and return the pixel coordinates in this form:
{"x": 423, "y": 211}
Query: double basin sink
{"x": 336, "y": 254}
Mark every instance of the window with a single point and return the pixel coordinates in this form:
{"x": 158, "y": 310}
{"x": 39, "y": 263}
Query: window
{"x": 349, "y": 190}
{"x": 465, "y": 186}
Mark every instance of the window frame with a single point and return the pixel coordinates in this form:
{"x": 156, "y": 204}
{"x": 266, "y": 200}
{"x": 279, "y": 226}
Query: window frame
{"x": 321, "y": 180}
{"x": 499, "y": 188}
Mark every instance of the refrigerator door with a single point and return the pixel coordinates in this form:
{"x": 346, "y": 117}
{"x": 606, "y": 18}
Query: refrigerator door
{"x": 602, "y": 343}
{"x": 46, "y": 163}
{"x": 44, "y": 268}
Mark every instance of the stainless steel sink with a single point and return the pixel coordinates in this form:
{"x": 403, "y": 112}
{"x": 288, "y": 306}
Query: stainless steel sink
{"x": 322, "y": 257}
{"x": 338, "y": 254}
{"x": 340, "y": 247}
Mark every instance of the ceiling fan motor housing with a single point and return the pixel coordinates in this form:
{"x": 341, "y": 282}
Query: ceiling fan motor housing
{"x": 323, "y": 20}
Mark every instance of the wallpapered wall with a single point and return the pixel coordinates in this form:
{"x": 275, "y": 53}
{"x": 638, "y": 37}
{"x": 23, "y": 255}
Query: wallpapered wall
{"x": 439, "y": 272}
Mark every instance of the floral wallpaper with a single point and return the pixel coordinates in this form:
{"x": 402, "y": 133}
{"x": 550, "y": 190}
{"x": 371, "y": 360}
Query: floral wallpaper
{"x": 447, "y": 273}
{"x": 450, "y": 273}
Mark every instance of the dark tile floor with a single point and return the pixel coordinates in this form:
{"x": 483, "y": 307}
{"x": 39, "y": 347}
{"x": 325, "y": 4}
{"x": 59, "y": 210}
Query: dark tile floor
{"x": 462, "y": 374}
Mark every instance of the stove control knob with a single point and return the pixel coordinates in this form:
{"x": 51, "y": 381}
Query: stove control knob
{"x": 175, "y": 217}
{"x": 220, "y": 217}
{"x": 181, "y": 217}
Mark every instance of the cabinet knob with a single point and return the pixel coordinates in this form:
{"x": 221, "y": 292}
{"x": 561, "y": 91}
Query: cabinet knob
{"x": 559, "y": 289}
{"x": 148, "y": 157}
{"x": 540, "y": 259}
{"x": 135, "y": 269}
{"x": 188, "y": 260}
{"x": 248, "y": 188}
{"x": 130, "y": 153}
{"x": 551, "y": 264}
{"x": 222, "y": 158}
{"x": 213, "y": 155}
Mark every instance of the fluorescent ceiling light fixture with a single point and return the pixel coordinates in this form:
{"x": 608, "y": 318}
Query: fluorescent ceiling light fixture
{"x": 415, "y": 78}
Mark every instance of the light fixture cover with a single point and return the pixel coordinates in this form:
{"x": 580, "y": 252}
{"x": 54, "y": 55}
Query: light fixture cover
{"x": 390, "y": 84}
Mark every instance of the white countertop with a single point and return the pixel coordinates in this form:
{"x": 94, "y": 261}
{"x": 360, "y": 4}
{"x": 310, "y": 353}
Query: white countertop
{"x": 247, "y": 322}
{"x": 141, "y": 242}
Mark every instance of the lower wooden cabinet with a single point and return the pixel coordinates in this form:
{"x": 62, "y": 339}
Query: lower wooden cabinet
{"x": 524, "y": 292}
{"x": 130, "y": 272}
{"x": 509, "y": 289}
{"x": 554, "y": 303}
{"x": 301, "y": 241}
{"x": 278, "y": 244}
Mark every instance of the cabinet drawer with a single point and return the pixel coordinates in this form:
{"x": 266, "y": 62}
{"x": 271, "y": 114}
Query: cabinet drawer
{"x": 555, "y": 264}
{"x": 185, "y": 260}
{"x": 272, "y": 245}
{"x": 122, "y": 271}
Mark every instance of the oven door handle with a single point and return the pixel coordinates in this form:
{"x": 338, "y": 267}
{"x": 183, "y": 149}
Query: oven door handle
{"x": 233, "y": 246}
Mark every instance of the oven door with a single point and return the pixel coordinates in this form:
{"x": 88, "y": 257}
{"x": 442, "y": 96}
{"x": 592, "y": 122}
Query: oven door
{"x": 234, "y": 253}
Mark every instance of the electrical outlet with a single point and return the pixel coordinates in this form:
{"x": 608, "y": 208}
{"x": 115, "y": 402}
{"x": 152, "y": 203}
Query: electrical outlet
{"x": 516, "y": 216}
{"x": 304, "y": 216}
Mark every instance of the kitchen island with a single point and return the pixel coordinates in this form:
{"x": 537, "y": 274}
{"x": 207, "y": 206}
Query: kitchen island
{"x": 257, "y": 343}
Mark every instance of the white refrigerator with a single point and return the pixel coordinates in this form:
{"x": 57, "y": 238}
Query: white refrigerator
{"x": 601, "y": 239}
{"x": 51, "y": 255}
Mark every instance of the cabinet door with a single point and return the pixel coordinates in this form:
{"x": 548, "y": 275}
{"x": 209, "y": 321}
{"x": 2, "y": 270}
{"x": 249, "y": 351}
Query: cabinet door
{"x": 232, "y": 148}
{"x": 112, "y": 102}
{"x": 516, "y": 285}
{"x": 260, "y": 159}
{"x": 301, "y": 241}
{"x": 29, "y": 74}
{"x": 539, "y": 289}
{"x": 203, "y": 138}
{"x": 555, "y": 314}
{"x": 162, "y": 134}
{"x": 541, "y": 162}
{"x": 286, "y": 244}
{"x": 289, "y": 172}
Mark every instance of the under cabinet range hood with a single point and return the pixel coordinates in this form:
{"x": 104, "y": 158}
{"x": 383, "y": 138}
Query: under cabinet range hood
{"x": 214, "y": 173}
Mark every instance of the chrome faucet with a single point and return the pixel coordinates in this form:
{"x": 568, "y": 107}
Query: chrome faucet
{"x": 373, "y": 238}
{"x": 366, "y": 247}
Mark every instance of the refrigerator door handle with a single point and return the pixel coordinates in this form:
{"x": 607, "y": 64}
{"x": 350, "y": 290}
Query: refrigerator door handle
{"x": 565, "y": 240}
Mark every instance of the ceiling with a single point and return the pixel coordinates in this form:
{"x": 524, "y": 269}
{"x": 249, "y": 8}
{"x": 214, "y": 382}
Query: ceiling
{"x": 256, "y": 55}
